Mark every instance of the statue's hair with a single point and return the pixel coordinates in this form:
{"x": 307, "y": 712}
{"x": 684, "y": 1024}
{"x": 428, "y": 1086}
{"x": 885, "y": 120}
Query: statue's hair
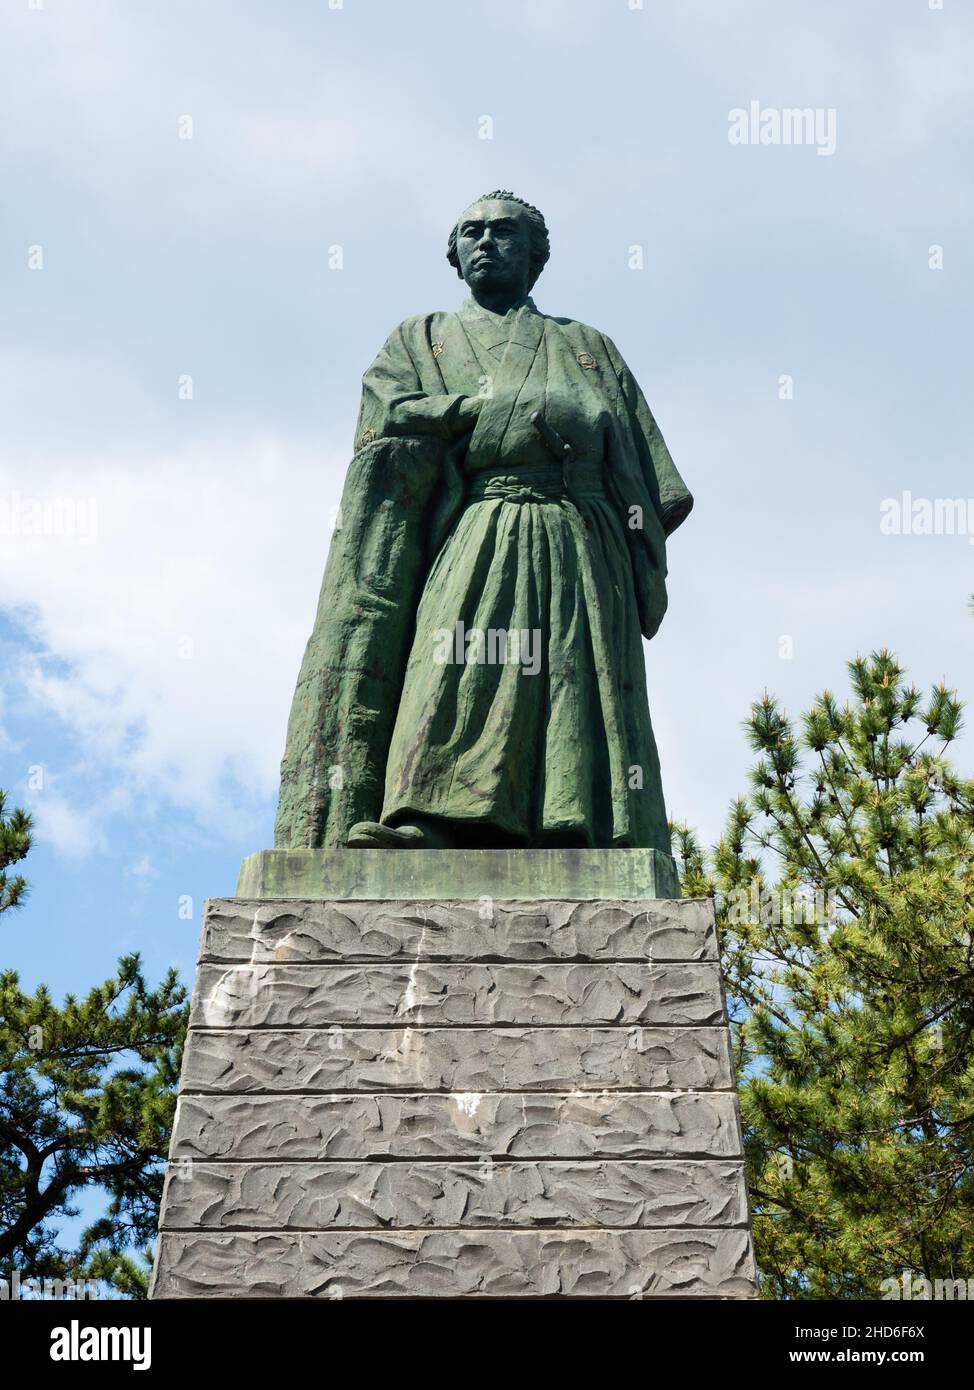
{"x": 540, "y": 246}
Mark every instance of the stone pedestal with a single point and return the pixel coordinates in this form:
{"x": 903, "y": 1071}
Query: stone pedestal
{"x": 445, "y": 874}
{"x": 467, "y": 1098}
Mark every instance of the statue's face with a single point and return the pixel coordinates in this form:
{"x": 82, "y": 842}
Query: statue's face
{"x": 494, "y": 247}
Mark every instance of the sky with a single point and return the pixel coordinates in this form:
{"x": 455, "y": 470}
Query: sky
{"x": 213, "y": 215}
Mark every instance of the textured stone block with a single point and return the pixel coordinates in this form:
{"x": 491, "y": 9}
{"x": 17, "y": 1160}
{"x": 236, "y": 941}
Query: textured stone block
{"x": 449, "y": 1264}
{"x": 235, "y": 1060}
{"x": 529, "y": 1124}
{"x": 270, "y": 932}
{"x": 318, "y": 1196}
{"x": 477, "y": 1099}
{"x": 315, "y": 996}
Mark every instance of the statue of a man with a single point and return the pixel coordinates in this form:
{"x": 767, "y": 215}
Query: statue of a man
{"x": 476, "y": 674}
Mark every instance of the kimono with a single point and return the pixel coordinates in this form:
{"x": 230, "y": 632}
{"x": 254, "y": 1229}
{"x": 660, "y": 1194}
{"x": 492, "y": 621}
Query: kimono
{"x": 478, "y": 651}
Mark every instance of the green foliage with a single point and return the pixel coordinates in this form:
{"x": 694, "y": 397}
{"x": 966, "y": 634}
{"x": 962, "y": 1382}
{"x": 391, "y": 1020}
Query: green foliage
{"x": 844, "y": 886}
{"x": 14, "y": 844}
{"x": 128, "y": 1275}
{"x": 87, "y": 1096}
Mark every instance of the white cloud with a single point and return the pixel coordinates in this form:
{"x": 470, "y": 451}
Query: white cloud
{"x": 142, "y": 869}
{"x": 71, "y": 832}
{"x": 170, "y": 645}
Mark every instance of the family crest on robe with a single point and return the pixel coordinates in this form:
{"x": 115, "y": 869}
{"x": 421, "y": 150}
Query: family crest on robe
{"x": 442, "y": 531}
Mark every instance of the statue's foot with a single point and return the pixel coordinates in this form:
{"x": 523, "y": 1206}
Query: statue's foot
{"x": 371, "y": 834}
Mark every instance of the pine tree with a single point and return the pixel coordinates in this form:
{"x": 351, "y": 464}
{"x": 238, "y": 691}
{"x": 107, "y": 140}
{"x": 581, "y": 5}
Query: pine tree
{"x": 843, "y": 885}
{"x": 14, "y": 844}
{"x": 87, "y": 1097}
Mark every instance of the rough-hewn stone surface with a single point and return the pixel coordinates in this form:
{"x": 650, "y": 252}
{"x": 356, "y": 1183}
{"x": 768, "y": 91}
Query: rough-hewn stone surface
{"x": 457, "y": 1059}
{"x": 453, "y": 1099}
{"x": 539, "y": 1124}
{"x": 680, "y": 929}
{"x": 714, "y": 1263}
{"x": 318, "y": 1196}
{"x": 316, "y": 996}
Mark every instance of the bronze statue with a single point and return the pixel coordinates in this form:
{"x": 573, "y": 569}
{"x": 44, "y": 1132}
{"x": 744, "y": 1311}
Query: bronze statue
{"x": 475, "y": 676}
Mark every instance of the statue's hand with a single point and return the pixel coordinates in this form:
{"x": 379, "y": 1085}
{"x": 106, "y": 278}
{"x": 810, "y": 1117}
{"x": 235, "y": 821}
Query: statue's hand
{"x": 469, "y": 411}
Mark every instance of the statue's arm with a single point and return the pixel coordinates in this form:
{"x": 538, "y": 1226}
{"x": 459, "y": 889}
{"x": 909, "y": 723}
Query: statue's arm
{"x": 674, "y": 498}
{"x": 395, "y": 401}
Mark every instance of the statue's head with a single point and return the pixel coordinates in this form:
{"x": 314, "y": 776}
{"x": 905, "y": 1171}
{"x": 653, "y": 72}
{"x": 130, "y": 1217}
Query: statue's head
{"x": 499, "y": 244}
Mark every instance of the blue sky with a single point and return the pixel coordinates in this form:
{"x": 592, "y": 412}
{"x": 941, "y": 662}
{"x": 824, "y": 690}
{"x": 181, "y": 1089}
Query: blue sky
{"x": 148, "y": 657}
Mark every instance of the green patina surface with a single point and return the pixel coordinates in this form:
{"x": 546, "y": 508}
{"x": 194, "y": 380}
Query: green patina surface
{"x": 509, "y": 482}
{"x": 534, "y": 874}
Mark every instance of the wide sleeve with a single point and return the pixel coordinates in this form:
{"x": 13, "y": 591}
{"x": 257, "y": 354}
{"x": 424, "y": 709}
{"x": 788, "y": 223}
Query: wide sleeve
{"x": 348, "y": 689}
{"x": 668, "y": 490}
{"x": 394, "y": 401}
